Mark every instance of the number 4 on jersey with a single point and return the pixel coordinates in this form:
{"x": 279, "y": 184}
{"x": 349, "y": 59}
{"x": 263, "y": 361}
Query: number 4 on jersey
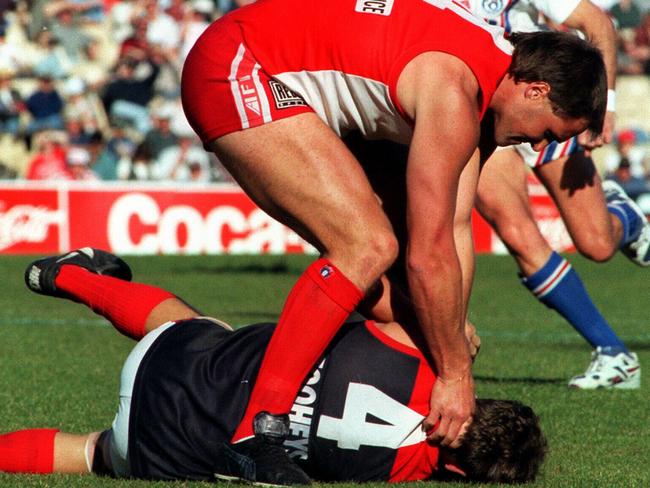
{"x": 401, "y": 425}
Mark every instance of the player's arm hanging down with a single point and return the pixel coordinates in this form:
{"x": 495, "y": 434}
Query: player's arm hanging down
{"x": 444, "y": 110}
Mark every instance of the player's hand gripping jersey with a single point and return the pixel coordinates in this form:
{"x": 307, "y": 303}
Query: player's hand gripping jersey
{"x": 277, "y": 58}
{"x": 356, "y": 418}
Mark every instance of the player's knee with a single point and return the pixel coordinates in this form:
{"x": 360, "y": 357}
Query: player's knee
{"x": 379, "y": 253}
{"x": 595, "y": 246}
{"x": 517, "y": 235}
{"x": 386, "y": 249}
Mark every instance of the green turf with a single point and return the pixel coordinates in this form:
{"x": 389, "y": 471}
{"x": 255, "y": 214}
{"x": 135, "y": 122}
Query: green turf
{"x": 59, "y": 363}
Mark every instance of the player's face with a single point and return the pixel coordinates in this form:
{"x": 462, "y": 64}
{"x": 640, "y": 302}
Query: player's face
{"x": 531, "y": 119}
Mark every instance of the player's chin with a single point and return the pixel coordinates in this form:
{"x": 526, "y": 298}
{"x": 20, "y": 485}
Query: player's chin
{"x": 504, "y": 139}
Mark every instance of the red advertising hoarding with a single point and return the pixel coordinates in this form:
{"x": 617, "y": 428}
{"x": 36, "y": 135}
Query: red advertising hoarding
{"x": 47, "y": 218}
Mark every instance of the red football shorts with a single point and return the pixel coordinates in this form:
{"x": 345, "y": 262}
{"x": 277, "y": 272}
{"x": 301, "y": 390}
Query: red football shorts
{"x": 224, "y": 89}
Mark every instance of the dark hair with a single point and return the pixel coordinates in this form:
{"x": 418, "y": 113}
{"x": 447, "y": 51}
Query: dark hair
{"x": 573, "y": 68}
{"x": 503, "y": 444}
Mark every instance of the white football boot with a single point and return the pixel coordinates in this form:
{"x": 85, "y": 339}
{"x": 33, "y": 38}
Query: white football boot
{"x": 621, "y": 371}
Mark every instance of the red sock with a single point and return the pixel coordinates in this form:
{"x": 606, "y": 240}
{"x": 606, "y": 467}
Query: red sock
{"x": 318, "y": 304}
{"x": 27, "y": 451}
{"x": 127, "y": 305}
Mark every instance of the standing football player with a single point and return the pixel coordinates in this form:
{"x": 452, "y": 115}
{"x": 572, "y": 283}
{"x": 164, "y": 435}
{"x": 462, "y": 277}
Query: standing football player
{"x": 599, "y": 222}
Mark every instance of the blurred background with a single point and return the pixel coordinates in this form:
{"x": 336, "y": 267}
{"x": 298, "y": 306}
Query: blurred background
{"x": 89, "y": 92}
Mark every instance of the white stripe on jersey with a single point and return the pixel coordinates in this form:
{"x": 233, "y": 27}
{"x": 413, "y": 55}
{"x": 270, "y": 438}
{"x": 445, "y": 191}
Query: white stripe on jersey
{"x": 261, "y": 93}
{"x": 348, "y": 102}
{"x": 234, "y": 86}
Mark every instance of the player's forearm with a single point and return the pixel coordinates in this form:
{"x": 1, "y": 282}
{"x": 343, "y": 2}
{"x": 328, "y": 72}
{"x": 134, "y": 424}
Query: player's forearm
{"x": 599, "y": 29}
{"x": 604, "y": 37}
{"x": 465, "y": 245}
{"x": 436, "y": 289}
{"x": 463, "y": 225}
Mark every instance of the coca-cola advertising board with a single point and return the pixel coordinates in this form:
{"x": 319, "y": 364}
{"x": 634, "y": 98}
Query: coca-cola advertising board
{"x": 47, "y": 218}
{"x": 138, "y": 219}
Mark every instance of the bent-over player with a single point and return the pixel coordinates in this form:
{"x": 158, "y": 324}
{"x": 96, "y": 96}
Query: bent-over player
{"x": 271, "y": 88}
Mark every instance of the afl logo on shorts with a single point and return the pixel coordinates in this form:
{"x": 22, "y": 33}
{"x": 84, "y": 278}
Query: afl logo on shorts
{"x": 285, "y": 98}
{"x": 493, "y": 7}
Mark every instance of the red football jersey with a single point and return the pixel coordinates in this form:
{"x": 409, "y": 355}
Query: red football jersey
{"x": 344, "y": 58}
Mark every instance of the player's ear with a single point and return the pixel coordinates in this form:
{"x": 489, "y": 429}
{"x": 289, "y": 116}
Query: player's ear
{"x": 537, "y": 90}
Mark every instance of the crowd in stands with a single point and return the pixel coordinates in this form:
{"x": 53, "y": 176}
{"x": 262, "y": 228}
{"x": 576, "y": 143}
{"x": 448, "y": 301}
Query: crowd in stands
{"x": 89, "y": 89}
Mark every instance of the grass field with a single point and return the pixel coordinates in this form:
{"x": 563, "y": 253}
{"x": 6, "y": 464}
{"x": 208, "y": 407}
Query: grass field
{"x": 59, "y": 363}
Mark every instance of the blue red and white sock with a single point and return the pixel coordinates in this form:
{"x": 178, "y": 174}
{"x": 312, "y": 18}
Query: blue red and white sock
{"x": 558, "y": 286}
{"x": 631, "y": 221}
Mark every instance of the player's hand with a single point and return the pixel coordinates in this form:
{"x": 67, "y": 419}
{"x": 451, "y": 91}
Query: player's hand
{"x": 452, "y": 404}
{"x": 473, "y": 339}
{"x": 608, "y": 127}
{"x": 590, "y": 140}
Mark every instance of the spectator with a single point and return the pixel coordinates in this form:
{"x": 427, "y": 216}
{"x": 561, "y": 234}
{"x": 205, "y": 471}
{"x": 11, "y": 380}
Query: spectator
{"x": 122, "y": 15}
{"x": 119, "y": 147}
{"x": 45, "y": 106}
{"x": 78, "y": 161}
{"x": 88, "y": 11}
{"x": 7, "y": 173}
{"x": 9, "y": 54}
{"x": 162, "y": 29}
{"x": 47, "y": 58}
{"x": 626, "y": 14}
{"x": 135, "y": 167}
{"x": 634, "y": 186}
{"x": 11, "y": 104}
{"x": 75, "y": 131}
{"x": 184, "y": 162}
{"x": 48, "y": 162}
{"x": 196, "y": 20}
{"x": 629, "y": 59}
{"x": 627, "y": 150}
{"x": 642, "y": 42}
{"x": 177, "y": 9}
{"x": 160, "y": 137}
{"x": 67, "y": 32}
{"x": 95, "y": 146}
{"x": 83, "y": 106}
{"x": 127, "y": 96}
{"x": 93, "y": 70}
{"x": 136, "y": 46}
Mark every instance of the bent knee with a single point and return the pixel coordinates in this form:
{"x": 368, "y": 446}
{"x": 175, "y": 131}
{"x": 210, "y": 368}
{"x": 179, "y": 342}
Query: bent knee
{"x": 367, "y": 257}
{"x": 521, "y": 236}
{"x": 596, "y": 247}
{"x": 380, "y": 252}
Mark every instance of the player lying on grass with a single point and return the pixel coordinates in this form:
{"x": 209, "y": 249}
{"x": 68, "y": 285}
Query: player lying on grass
{"x": 185, "y": 385}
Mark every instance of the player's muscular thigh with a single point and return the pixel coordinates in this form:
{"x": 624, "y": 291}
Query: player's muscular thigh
{"x": 299, "y": 171}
